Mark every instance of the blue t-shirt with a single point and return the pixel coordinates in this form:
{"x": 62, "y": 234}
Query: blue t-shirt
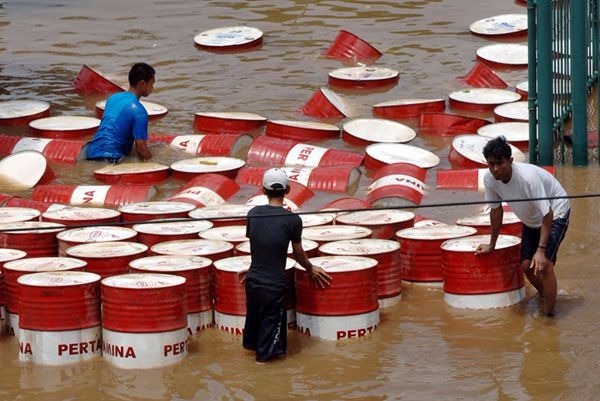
{"x": 124, "y": 120}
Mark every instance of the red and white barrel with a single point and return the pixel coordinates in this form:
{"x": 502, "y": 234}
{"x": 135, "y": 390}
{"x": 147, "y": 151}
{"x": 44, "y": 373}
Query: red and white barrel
{"x": 90, "y": 80}
{"x": 367, "y": 77}
{"x": 501, "y": 25}
{"x": 482, "y": 281}
{"x": 25, "y": 170}
{"x": 482, "y": 76}
{"x": 64, "y": 151}
{"x": 383, "y": 223}
{"x": 348, "y": 46}
{"x": 14, "y": 269}
{"x": 293, "y": 200}
{"x": 132, "y": 173}
{"x": 222, "y": 215}
{"x": 512, "y": 112}
{"x": 385, "y": 252}
{"x": 234, "y": 145}
{"x": 301, "y": 130}
{"x": 198, "y": 280}
{"x": 154, "y": 110}
{"x": 59, "y": 317}
{"x": 522, "y": 88}
{"x": 365, "y": 131}
{"x": 21, "y": 112}
{"x": 269, "y": 151}
{"x": 421, "y": 253}
{"x": 232, "y": 234}
{"x": 151, "y": 233}
{"x": 394, "y": 184}
{"x": 516, "y": 133}
{"x": 206, "y": 190}
{"x": 77, "y": 216}
{"x": 66, "y": 127}
{"x": 481, "y": 99}
{"x": 146, "y": 211}
{"x": 511, "y": 224}
{"x": 15, "y": 201}
{"x": 328, "y": 233}
{"x": 469, "y": 179}
{"x": 326, "y": 178}
{"x": 325, "y": 103}
{"x": 93, "y": 195}
{"x": 86, "y": 235}
{"x": 504, "y": 54}
{"x": 212, "y": 249}
{"x": 16, "y": 214}
{"x": 228, "y": 122}
{"x": 6, "y": 255}
{"x": 108, "y": 258}
{"x": 378, "y": 155}
{"x": 346, "y": 309}
{"x": 144, "y": 320}
{"x": 310, "y": 247}
{"x": 407, "y": 108}
{"x": 467, "y": 151}
{"x": 188, "y": 169}
{"x": 37, "y": 238}
{"x": 229, "y": 38}
{"x": 448, "y": 124}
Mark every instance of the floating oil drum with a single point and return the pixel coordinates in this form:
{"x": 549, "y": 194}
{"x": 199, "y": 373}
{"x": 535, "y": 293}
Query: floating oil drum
{"x": 24, "y": 170}
{"x": 469, "y": 179}
{"x": 37, "y": 238}
{"x": 152, "y": 233}
{"x": 14, "y": 269}
{"x": 16, "y": 214}
{"x": 397, "y": 184}
{"x": 293, "y": 200}
{"x": 133, "y": 173}
{"x": 230, "y": 294}
{"x": 385, "y": 252}
{"x": 365, "y": 131}
{"x": 421, "y": 253}
{"x": 379, "y": 154}
{"x": 108, "y": 258}
{"x": 154, "y": 110}
{"x": 232, "y": 234}
{"x": 348, "y": 46}
{"x": 407, "y": 108}
{"x": 316, "y": 219}
{"x": 222, "y": 215}
{"x": 328, "y": 233}
{"x": 85, "y": 235}
{"x": 190, "y": 168}
{"x": 448, "y": 124}
{"x": 64, "y": 151}
{"x": 467, "y": 151}
{"x": 228, "y": 122}
{"x": 206, "y": 190}
{"x": 212, "y": 249}
{"x": 90, "y": 80}
{"x": 481, "y": 99}
{"x": 74, "y": 216}
{"x": 21, "y": 112}
{"x": 501, "y": 25}
{"x": 59, "y": 317}
{"x": 309, "y": 246}
{"x": 15, "y": 201}
{"x": 234, "y": 145}
{"x": 348, "y": 308}
{"x": 504, "y": 54}
{"x": 516, "y": 133}
{"x": 482, "y": 281}
{"x": 6, "y": 255}
{"x": 146, "y": 211}
{"x": 347, "y": 204}
{"x": 93, "y": 195}
{"x": 364, "y": 77}
{"x": 511, "y": 225}
{"x": 382, "y": 223}
{"x": 512, "y": 112}
{"x": 325, "y": 103}
{"x": 301, "y": 130}
{"x": 198, "y": 280}
{"x": 66, "y": 127}
{"x": 482, "y": 76}
{"x": 144, "y": 320}
{"x": 229, "y": 38}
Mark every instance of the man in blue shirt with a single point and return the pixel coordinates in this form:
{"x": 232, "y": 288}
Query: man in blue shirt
{"x": 125, "y": 120}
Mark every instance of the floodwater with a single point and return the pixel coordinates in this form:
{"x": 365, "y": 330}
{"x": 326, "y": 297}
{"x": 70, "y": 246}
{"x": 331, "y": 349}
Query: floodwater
{"x": 423, "y": 349}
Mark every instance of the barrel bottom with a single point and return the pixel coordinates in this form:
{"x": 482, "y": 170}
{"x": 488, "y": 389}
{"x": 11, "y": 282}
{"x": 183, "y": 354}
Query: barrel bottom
{"x": 485, "y": 301}
{"x": 59, "y": 347}
{"x": 337, "y": 327}
{"x": 144, "y": 350}
{"x": 199, "y": 321}
{"x": 389, "y": 301}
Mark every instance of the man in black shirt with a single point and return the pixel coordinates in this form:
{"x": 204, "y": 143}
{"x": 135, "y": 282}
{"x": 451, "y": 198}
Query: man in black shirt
{"x": 270, "y": 229}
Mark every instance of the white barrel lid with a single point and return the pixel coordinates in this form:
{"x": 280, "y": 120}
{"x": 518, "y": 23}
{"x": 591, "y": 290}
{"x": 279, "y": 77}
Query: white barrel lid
{"x": 335, "y": 233}
{"x": 96, "y": 234}
{"x": 428, "y": 223}
{"x": 364, "y": 73}
{"x": 307, "y": 245}
{"x": 504, "y": 24}
{"x": 316, "y": 219}
{"x": 379, "y": 130}
{"x": 238, "y": 264}
{"x": 401, "y": 153}
{"x": 360, "y": 247}
{"x": 49, "y": 263}
{"x": 22, "y": 108}
{"x": 470, "y": 244}
{"x": 233, "y": 115}
{"x": 208, "y": 164}
{"x": 58, "y": 279}
{"x": 8, "y": 254}
{"x": 143, "y": 281}
{"x": 153, "y": 109}
{"x": 170, "y": 263}
{"x": 65, "y": 123}
{"x": 131, "y": 168}
{"x": 107, "y": 249}
{"x": 523, "y": 86}
{"x": 436, "y": 232}
{"x": 311, "y": 125}
{"x": 192, "y": 247}
{"x": 31, "y": 227}
{"x": 226, "y": 233}
{"x": 516, "y": 110}
{"x": 483, "y": 219}
{"x": 228, "y": 36}
{"x": 178, "y": 227}
{"x": 407, "y": 102}
{"x": 512, "y": 131}
{"x": 80, "y": 213}
{"x": 16, "y": 214}
{"x": 471, "y": 147}
{"x": 341, "y": 264}
{"x": 484, "y": 96}
{"x": 335, "y": 100}
{"x": 226, "y": 210}
{"x": 504, "y": 53}
{"x": 375, "y": 217}
{"x": 156, "y": 207}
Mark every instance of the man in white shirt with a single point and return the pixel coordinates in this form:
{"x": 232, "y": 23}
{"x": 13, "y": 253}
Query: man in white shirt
{"x": 545, "y": 221}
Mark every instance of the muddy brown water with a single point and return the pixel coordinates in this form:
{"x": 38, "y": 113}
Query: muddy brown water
{"x": 423, "y": 349}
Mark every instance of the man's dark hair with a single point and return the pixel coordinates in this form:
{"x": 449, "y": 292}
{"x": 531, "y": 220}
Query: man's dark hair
{"x": 497, "y": 147}
{"x": 140, "y": 72}
{"x": 277, "y": 192}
